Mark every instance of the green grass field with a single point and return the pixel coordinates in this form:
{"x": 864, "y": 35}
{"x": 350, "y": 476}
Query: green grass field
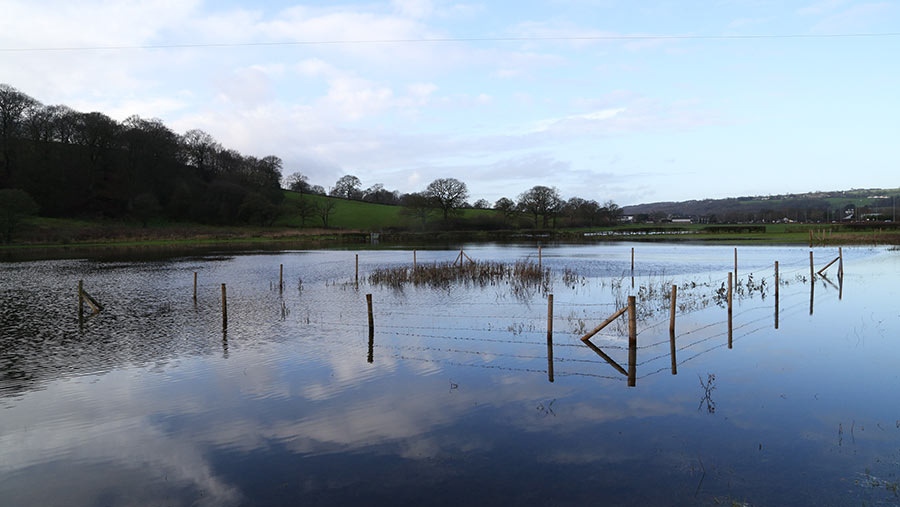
{"x": 357, "y": 215}
{"x": 349, "y": 217}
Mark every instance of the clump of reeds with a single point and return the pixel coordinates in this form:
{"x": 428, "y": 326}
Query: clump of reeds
{"x": 521, "y": 276}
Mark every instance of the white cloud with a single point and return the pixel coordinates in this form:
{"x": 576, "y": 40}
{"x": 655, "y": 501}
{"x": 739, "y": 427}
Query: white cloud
{"x": 414, "y": 8}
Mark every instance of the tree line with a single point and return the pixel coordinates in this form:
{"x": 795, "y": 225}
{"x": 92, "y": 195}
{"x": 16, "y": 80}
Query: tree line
{"x": 68, "y": 163}
{"x": 442, "y": 202}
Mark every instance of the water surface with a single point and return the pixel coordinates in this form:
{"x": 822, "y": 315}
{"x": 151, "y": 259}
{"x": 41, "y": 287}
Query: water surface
{"x": 150, "y": 402}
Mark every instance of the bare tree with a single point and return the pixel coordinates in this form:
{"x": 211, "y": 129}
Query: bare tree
{"x": 540, "y": 201}
{"x": 347, "y": 187}
{"x": 305, "y": 210}
{"x": 324, "y": 210}
{"x": 418, "y": 206}
{"x": 13, "y": 108}
{"x": 200, "y": 151}
{"x": 297, "y": 182}
{"x": 447, "y": 194}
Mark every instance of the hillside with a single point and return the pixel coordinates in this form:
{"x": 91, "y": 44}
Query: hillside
{"x": 811, "y": 206}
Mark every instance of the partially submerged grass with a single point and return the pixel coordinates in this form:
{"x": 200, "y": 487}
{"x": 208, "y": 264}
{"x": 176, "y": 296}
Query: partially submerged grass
{"x": 522, "y": 276}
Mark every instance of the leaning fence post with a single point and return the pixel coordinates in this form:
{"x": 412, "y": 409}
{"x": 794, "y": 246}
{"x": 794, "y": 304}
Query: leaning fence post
{"x": 632, "y": 343}
{"x": 224, "y": 309}
{"x": 550, "y": 337}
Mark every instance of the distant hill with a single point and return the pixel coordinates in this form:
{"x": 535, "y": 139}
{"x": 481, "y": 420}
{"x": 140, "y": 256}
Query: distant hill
{"x": 869, "y": 203}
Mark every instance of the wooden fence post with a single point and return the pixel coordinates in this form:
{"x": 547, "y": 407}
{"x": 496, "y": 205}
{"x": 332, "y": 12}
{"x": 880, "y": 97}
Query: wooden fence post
{"x": 414, "y": 260}
{"x": 810, "y": 238}
{"x": 550, "y": 337}
{"x": 812, "y": 271}
{"x": 357, "y": 269}
{"x": 632, "y": 343}
{"x": 371, "y": 315}
{"x": 735, "y": 264}
{"x": 729, "y": 291}
{"x": 371, "y": 357}
{"x": 540, "y": 258}
{"x": 195, "y": 287}
{"x": 841, "y": 262}
{"x": 672, "y": 309}
{"x": 632, "y": 263}
{"x": 281, "y": 277}
{"x": 224, "y": 309}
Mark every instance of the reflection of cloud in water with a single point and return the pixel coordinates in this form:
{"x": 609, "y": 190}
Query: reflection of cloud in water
{"x": 79, "y": 451}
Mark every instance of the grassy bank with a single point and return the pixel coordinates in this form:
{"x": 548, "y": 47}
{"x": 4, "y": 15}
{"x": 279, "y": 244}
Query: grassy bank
{"x": 351, "y": 221}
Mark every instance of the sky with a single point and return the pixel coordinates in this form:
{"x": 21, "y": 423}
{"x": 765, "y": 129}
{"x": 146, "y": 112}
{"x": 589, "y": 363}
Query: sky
{"x": 557, "y": 93}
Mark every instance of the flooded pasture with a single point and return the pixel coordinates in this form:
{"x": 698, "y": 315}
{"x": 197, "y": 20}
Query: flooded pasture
{"x": 456, "y": 396}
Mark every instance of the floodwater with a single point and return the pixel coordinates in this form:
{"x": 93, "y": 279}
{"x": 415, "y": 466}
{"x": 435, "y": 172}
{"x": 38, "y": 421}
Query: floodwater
{"x": 149, "y": 402}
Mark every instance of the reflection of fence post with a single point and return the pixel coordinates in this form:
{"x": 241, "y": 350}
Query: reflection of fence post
{"x": 195, "y": 286}
{"x": 632, "y": 262}
{"x": 776, "y": 294}
{"x": 632, "y": 342}
{"x": 281, "y": 277}
{"x": 540, "y": 257}
{"x": 672, "y": 330}
{"x": 414, "y": 260}
{"x": 812, "y": 272}
{"x": 730, "y": 300}
{"x": 735, "y": 263}
{"x": 812, "y": 291}
{"x": 224, "y": 309}
{"x": 550, "y": 337}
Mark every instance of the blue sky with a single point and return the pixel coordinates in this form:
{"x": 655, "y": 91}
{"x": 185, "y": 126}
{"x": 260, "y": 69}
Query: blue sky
{"x": 628, "y": 120}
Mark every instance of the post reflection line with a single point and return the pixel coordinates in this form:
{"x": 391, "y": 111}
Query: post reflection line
{"x": 655, "y": 344}
{"x": 760, "y": 328}
{"x": 706, "y": 351}
{"x": 718, "y": 335}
